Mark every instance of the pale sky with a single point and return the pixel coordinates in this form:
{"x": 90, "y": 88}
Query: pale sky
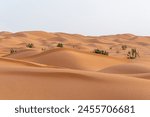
{"x": 88, "y": 17}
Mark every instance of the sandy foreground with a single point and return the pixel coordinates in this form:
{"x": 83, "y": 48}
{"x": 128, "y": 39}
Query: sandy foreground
{"x": 46, "y": 71}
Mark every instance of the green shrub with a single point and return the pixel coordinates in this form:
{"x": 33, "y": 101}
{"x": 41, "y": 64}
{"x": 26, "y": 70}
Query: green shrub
{"x": 30, "y": 45}
{"x": 60, "y": 45}
{"x": 12, "y": 51}
{"x": 103, "y": 52}
{"x": 132, "y": 54}
{"x": 117, "y": 51}
{"x": 43, "y": 49}
{"x": 124, "y": 47}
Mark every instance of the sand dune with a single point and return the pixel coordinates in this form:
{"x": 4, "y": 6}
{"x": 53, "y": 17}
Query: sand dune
{"x": 70, "y": 58}
{"x": 23, "y": 54}
{"x": 44, "y": 83}
{"x": 18, "y": 63}
{"x": 141, "y": 75}
{"x": 45, "y": 71}
{"x": 131, "y": 68}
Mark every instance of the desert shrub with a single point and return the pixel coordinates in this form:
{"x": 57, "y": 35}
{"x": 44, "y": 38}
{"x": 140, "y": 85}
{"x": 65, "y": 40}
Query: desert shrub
{"x": 132, "y": 54}
{"x": 73, "y": 46}
{"x": 117, "y": 51}
{"x": 43, "y": 49}
{"x": 12, "y": 51}
{"x": 30, "y": 45}
{"x": 103, "y": 52}
{"x": 124, "y": 47}
{"x": 60, "y": 45}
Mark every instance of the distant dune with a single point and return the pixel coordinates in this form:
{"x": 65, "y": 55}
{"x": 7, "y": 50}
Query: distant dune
{"x": 33, "y": 67}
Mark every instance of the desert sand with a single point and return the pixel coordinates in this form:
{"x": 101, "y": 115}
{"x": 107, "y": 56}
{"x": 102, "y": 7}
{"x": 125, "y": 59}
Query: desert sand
{"x": 73, "y": 72}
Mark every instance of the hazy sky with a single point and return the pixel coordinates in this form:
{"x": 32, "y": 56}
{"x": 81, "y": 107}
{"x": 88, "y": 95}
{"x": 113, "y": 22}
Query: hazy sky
{"x": 88, "y": 17}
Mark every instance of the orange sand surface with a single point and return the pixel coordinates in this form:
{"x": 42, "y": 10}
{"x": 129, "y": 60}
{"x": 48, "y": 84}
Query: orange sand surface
{"x": 46, "y": 71}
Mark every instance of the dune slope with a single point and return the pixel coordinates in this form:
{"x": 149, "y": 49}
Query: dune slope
{"x": 131, "y": 68}
{"x": 70, "y": 58}
{"x": 39, "y": 83}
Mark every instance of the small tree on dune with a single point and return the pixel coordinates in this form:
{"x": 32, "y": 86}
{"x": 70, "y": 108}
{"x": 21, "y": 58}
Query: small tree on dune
{"x": 30, "y": 45}
{"x": 12, "y": 51}
{"x": 124, "y": 47}
{"x": 60, "y": 45}
{"x": 132, "y": 54}
{"x": 103, "y": 52}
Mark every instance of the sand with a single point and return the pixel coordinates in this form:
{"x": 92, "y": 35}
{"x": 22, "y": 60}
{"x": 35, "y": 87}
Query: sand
{"x": 73, "y": 72}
